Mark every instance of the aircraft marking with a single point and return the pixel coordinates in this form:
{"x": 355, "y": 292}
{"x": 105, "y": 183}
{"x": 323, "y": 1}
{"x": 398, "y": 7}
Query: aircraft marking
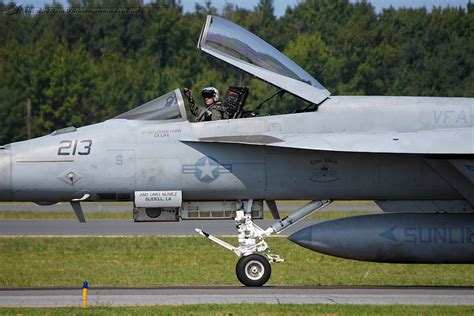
{"x": 429, "y": 235}
{"x": 33, "y": 160}
{"x": 451, "y": 116}
{"x": 388, "y": 234}
{"x": 161, "y": 132}
{"x": 207, "y": 169}
{"x": 325, "y": 171}
{"x": 66, "y": 145}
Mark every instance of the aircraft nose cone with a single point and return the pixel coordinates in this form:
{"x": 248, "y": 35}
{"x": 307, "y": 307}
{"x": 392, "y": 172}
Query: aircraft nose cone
{"x": 5, "y": 175}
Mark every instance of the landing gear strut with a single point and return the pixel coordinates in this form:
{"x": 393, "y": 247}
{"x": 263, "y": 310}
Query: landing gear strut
{"x": 253, "y": 267}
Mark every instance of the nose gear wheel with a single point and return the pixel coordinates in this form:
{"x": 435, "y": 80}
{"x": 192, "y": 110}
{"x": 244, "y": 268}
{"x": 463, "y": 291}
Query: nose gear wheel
{"x": 253, "y": 270}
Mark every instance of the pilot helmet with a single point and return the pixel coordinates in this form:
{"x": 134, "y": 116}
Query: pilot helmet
{"x": 210, "y": 92}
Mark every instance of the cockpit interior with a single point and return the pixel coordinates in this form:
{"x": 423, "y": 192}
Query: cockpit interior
{"x": 244, "y": 50}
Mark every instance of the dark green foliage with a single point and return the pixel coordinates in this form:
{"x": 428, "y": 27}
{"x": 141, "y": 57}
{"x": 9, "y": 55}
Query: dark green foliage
{"x": 82, "y": 68}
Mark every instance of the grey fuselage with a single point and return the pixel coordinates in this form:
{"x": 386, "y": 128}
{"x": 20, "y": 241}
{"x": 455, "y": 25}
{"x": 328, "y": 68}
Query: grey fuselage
{"x": 111, "y": 160}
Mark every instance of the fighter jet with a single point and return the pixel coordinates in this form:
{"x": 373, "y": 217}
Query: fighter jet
{"x": 411, "y": 154}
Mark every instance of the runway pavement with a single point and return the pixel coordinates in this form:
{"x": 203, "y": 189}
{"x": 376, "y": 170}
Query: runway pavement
{"x": 127, "y": 228}
{"x": 229, "y": 295}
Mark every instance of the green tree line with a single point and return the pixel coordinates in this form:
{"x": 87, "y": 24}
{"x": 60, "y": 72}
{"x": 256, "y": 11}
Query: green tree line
{"x": 78, "y": 68}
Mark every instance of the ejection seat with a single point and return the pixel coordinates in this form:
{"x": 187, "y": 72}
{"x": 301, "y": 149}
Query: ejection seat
{"x": 234, "y": 101}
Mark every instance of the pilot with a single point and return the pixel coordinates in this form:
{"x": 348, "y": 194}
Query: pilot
{"x": 212, "y": 109}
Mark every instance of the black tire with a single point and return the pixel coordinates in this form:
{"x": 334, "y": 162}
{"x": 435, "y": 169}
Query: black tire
{"x": 253, "y": 270}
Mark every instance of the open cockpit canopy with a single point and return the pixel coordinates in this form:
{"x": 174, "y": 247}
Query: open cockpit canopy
{"x": 167, "y": 107}
{"x": 234, "y": 45}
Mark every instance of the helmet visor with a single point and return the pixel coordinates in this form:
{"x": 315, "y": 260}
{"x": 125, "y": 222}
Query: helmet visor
{"x": 207, "y": 94}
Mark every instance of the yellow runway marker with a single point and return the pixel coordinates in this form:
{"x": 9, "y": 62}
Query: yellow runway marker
{"x": 85, "y": 287}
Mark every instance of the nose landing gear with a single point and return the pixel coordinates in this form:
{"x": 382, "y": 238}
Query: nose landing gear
{"x": 253, "y": 270}
{"x": 253, "y": 267}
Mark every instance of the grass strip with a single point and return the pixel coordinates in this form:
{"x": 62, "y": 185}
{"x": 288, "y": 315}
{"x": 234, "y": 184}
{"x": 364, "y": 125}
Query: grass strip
{"x": 153, "y": 261}
{"x": 63, "y": 215}
{"x": 250, "y": 309}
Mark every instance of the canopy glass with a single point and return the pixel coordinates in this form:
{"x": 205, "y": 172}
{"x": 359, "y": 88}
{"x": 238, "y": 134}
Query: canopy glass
{"x": 167, "y": 107}
{"x": 237, "y": 46}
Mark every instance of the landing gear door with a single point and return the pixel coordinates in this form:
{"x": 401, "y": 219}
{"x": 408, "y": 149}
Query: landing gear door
{"x": 158, "y": 198}
{"x": 157, "y": 206}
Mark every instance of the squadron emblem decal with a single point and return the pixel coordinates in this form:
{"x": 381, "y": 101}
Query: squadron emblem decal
{"x": 324, "y": 171}
{"x": 207, "y": 169}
